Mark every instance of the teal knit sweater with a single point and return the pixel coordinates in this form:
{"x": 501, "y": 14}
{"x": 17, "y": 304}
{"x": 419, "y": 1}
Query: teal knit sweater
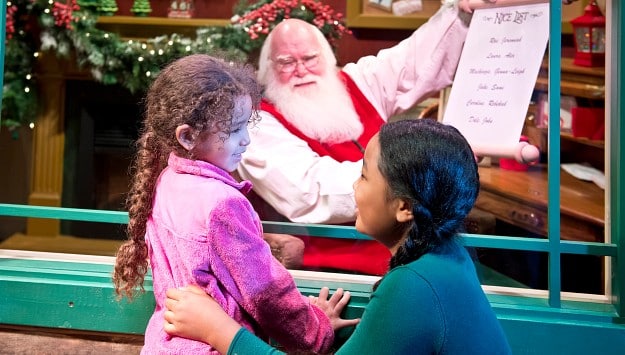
{"x": 434, "y": 305}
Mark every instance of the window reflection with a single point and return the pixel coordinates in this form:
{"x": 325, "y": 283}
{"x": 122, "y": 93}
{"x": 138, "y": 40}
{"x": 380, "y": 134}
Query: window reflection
{"x": 99, "y": 130}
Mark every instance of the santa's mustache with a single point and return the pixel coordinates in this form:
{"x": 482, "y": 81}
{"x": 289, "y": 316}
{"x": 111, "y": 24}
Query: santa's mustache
{"x": 308, "y": 79}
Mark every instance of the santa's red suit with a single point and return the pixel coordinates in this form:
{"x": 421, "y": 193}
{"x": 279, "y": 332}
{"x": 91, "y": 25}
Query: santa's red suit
{"x": 365, "y": 256}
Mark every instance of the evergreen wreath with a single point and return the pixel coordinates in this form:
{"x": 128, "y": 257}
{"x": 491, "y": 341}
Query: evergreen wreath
{"x": 68, "y": 27}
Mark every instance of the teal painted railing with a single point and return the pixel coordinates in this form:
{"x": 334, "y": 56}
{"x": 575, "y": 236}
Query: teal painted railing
{"x": 328, "y": 231}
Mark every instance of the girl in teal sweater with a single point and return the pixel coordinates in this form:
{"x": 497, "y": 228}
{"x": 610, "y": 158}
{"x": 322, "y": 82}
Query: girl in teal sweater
{"x": 419, "y": 181}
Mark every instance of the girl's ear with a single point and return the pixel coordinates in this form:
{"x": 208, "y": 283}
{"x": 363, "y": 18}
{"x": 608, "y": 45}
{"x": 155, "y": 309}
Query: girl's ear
{"x": 184, "y": 135}
{"x": 404, "y": 211}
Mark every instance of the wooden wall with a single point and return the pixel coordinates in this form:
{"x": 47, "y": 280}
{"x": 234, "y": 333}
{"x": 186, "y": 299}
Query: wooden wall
{"x": 362, "y": 42}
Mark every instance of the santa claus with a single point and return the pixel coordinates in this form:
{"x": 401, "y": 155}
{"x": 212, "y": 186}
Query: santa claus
{"x": 307, "y": 149}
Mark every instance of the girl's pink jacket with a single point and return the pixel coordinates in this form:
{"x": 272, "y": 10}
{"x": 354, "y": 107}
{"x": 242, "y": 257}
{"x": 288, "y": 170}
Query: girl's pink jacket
{"x": 204, "y": 231}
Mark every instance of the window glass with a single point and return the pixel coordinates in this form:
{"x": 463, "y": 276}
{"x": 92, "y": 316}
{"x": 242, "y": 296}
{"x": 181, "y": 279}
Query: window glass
{"x": 78, "y": 153}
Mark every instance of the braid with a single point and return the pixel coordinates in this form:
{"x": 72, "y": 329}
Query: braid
{"x": 199, "y": 91}
{"x": 422, "y": 237}
{"x": 132, "y": 257}
{"x": 431, "y": 166}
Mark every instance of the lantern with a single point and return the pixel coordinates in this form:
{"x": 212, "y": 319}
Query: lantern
{"x": 589, "y": 34}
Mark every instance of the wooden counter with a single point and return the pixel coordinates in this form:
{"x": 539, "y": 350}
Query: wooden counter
{"x": 520, "y": 198}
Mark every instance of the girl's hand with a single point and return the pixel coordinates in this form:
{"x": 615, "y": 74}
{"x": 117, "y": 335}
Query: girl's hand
{"x": 334, "y": 306}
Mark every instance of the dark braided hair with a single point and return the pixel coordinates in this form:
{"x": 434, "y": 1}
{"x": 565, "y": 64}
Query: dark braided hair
{"x": 432, "y": 166}
{"x": 198, "y": 90}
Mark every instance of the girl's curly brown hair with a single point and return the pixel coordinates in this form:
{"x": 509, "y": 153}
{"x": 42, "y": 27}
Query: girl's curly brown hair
{"x": 197, "y": 90}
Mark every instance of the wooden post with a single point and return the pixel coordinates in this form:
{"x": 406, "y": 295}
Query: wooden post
{"x": 48, "y": 146}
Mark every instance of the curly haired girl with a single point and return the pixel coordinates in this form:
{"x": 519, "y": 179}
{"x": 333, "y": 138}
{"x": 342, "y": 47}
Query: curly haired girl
{"x": 190, "y": 218}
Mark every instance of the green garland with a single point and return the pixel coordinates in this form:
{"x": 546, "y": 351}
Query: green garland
{"x": 113, "y": 60}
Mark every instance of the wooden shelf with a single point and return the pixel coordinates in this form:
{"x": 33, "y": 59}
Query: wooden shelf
{"x": 587, "y": 91}
{"x": 583, "y": 83}
{"x": 522, "y": 198}
{"x": 149, "y": 27}
{"x": 575, "y": 80}
{"x": 541, "y": 135}
{"x": 583, "y": 141}
{"x": 572, "y": 149}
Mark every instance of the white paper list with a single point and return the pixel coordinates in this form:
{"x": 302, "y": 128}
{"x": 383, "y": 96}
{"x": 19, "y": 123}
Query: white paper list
{"x": 496, "y": 75}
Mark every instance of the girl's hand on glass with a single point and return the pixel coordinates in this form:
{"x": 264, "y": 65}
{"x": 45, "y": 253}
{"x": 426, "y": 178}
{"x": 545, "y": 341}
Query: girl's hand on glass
{"x": 333, "y": 306}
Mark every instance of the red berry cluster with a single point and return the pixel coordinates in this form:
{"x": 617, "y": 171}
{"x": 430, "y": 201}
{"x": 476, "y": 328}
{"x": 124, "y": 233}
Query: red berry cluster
{"x": 261, "y": 20}
{"x": 63, "y": 13}
{"x": 10, "y": 21}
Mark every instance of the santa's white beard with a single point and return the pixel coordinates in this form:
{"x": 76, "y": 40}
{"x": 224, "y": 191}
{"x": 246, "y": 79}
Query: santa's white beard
{"x": 323, "y": 111}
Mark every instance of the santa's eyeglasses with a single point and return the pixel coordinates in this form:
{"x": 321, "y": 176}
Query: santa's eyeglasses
{"x": 289, "y": 64}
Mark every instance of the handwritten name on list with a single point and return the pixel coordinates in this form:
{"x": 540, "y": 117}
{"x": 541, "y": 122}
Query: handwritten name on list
{"x": 497, "y": 73}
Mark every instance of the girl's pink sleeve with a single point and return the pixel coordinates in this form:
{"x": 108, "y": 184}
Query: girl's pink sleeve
{"x": 243, "y": 264}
